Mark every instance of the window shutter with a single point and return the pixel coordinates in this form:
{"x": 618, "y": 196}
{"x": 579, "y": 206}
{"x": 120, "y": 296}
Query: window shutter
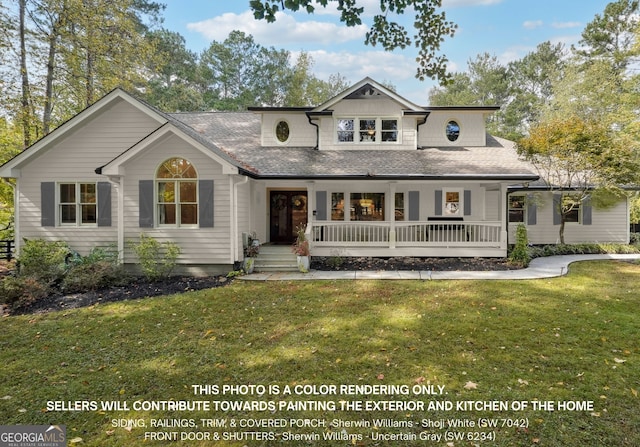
{"x": 104, "y": 204}
{"x": 205, "y": 203}
{"x": 557, "y": 219}
{"x": 414, "y": 205}
{"x": 321, "y": 205}
{"x": 48, "y": 204}
{"x": 587, "y": 212}
{"x": 467, "y": 202}
{"x": 532, "y": 211}
{"x": 438, "y": 202}
{"x": 146, "y": 203}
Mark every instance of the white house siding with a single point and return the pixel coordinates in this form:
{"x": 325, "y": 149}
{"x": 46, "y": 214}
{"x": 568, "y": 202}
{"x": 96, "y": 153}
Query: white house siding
{"x": 301, "y": 133}
{"x": 367, "y": 108}
{"x": 200, "y": 246}
{"x": 74, "y": 159}
{"x": 608, "y": 225}
{"x": 472, "y": 129}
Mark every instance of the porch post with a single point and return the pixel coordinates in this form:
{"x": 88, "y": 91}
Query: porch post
{"x": 311, "y": 207}
{"x": 391, "y": 213}
{"x": 504, "y": 224}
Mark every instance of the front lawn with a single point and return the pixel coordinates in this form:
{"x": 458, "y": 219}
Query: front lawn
{"x": 573, "y": 339}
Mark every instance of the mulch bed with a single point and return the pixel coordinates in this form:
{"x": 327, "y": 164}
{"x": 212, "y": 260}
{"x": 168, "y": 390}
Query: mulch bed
{"x": 140, "y": 288}
{"x": 408, "y": 263}
{"x": 137, "y": 288}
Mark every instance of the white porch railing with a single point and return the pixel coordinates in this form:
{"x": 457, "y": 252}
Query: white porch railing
{"x": 406, "y": 234}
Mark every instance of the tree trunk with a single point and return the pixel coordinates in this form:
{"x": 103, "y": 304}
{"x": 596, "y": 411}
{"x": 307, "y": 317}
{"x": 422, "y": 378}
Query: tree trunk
{"x": 48, "y": 98}
{"x": 24, "y": 73}
{"x": 562, "y": 222}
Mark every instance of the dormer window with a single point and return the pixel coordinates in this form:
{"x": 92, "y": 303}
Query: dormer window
{"x": 367, "y": 130}
{"x": 453, "y": 130}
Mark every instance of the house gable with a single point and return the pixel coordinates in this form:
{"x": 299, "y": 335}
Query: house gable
{"x": 122, "y": 119}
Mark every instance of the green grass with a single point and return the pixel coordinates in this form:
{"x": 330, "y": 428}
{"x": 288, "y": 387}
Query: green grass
{"x": 575, "y": 338}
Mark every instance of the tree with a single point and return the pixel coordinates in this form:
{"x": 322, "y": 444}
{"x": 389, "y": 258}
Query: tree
{"x": 581, "y": 159}
{"x": 431, "y": 27}
{"x": 173, "y": 78}
{"x": 611, "y": 36}
{"x": 307, "y": 90}
{"x": 62, "y": 55}
{"x": 531, "y": 84}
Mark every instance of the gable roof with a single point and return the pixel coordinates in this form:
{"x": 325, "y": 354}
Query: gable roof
{"x": 368, "y": 88}
{"x": 238, "y": 133}
{"x": 12, "y": 166}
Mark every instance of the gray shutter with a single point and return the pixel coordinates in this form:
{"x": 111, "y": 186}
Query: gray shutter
{"x": 467, "y": 202}
{"x": 438, "y": 202}
{"x": 532, "y": 210}
{"x": 321, "y": 205}
{"x": 48, "y": 204}
{"x": 104, "y": 204}
{"x": 414, "y": 205}
{"x": 557, "y": 219}
{"x": 146, "y": 203}
{"x": 205, "y": 203}
{"x": 587, "y": 211}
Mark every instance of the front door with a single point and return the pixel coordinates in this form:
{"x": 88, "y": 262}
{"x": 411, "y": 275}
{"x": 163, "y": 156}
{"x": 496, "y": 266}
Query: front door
{"x": 288, "y": 212}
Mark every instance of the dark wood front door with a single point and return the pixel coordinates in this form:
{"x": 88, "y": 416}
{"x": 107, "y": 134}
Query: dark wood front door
{"x": 288, "y": 212}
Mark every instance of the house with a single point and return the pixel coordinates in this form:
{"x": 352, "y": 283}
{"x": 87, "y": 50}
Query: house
{"x": 368, "y": 173}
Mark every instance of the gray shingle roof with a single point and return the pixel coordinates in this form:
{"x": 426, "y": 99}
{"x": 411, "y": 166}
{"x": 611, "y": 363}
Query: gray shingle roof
{"x": 237, "y": 134}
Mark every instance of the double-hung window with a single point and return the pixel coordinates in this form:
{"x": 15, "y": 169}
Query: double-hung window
{"x": 77, "y": 204}
{"x": 516, "y": 208}
{"x": 177, "y": 193}
{"x": 367, "y": 130}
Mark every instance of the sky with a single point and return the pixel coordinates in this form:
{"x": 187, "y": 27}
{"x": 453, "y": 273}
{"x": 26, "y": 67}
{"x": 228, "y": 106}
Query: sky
{"x": 506, "y": 29}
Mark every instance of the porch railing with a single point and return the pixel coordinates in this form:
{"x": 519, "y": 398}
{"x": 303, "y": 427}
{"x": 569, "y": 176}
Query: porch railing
{"x": 407, "y": 234}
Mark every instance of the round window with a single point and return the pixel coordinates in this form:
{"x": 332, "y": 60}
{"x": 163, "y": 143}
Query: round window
{"x": 453, "y": 130}
{"x": 282, "y": 131}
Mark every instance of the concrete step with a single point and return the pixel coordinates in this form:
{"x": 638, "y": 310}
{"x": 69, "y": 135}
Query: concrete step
{"x": 276, "y": 258}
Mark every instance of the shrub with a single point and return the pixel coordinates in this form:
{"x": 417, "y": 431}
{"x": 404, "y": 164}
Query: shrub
{"x": 520, "y": 253}
{"x": 157, "y": 259}
{"x": 100, "y": 268}
{"x": 18, "y": 291}
{"x": 44, "y": 260}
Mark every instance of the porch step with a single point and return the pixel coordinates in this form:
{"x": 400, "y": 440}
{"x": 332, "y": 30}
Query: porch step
{"x": 276, "y": 258}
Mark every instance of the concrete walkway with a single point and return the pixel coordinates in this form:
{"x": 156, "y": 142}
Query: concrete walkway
{"x": 548, "y": 267}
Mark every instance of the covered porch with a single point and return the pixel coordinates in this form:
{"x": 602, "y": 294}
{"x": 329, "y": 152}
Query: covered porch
{"x": 388, "y": 218}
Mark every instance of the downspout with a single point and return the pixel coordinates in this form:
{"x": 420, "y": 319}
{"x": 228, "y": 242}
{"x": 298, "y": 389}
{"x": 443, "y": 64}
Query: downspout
{"x": 418, "y": 124}
{"x": 317, "y": 131}
{"x": 234, "y": 223}
{"x": 120, "y": 229}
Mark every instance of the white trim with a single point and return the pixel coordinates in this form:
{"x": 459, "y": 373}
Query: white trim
{"x": 460, "y": 211}
{"x": 275, "y": 131}
{"x": 378, "y": 129}
{"x": 403, "y": 101}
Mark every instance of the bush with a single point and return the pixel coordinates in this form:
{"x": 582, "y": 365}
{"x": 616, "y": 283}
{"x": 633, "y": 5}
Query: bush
{"x": 18, "y": 291}
{"x": 157, "y": 259}
{"x": 44, "y": 260}
{"x": 98, "y": 269}
{"x": 520, "y": 253}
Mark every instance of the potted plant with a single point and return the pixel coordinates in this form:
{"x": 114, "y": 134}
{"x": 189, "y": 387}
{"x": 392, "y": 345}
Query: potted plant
{"x": 251, "y": 250}
{"x": 302, "y": 249}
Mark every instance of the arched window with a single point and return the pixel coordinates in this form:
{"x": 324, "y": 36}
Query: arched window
{"x": 177, "y": 193}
